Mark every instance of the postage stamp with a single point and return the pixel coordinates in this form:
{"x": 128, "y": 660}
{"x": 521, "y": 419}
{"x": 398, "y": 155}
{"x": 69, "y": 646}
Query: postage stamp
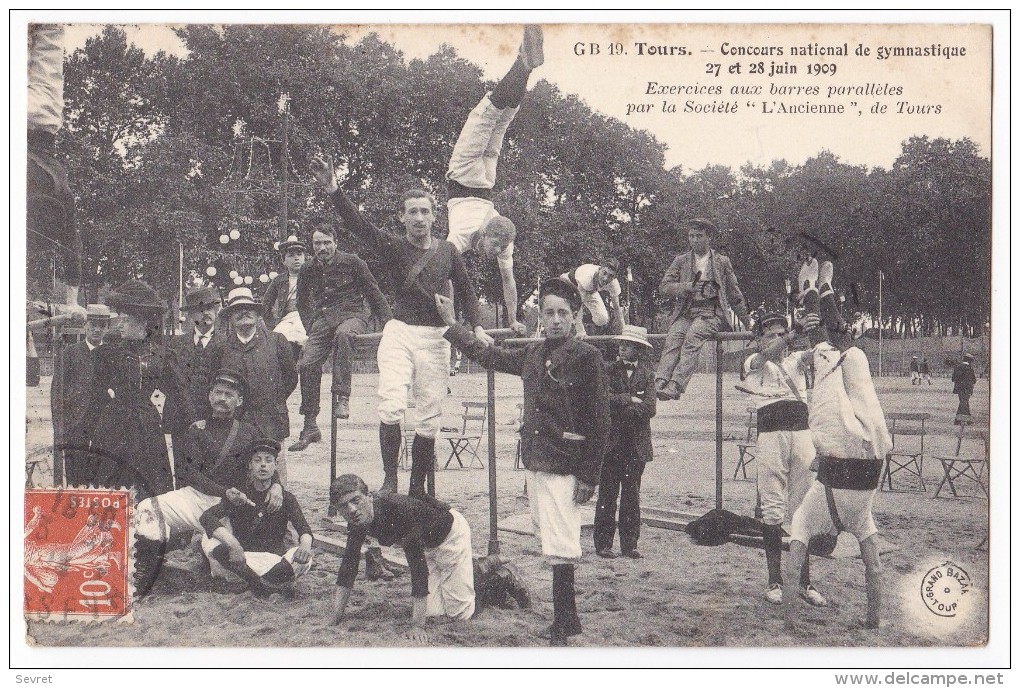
{"x": 77, "y": 560}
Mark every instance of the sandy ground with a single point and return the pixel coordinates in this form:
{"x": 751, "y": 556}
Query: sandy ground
{"x": 680, "y": 594}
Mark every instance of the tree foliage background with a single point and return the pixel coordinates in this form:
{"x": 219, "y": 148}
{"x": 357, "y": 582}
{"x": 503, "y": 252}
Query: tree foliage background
{"x": 165, "y": 151}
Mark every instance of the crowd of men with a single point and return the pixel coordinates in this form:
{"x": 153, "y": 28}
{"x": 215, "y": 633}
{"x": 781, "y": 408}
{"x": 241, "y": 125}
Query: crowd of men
{"x": 586, "y": 423}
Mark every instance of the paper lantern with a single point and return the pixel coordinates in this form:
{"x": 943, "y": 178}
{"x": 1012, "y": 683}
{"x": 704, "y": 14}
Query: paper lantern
{"x": 224, "y": 239}
{"x": 264, "y": 279}
{"x": 235, "y": 235}
{"x": 238, "y": 281}
{"x": 248, "y": 279}
{"x": 273, "y": 275}
{"x": 233, "y": 274}
{"x": 211, "y": 271}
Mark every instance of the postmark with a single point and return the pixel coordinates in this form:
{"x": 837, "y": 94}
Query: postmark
{"x": 944, "y": 589}
{"x": 77, "y": 554}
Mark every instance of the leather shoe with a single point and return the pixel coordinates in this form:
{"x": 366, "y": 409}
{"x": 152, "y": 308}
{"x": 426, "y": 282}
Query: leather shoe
{"x": 308, "y": 436}
{"x": 633, "y": 554}
{"x": 342, "y": 409}
{"x": 606, "y": 553}
{"x": 671, "y": 392}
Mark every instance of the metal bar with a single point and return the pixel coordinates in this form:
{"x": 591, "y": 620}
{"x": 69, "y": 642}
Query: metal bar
{"x": 374, "y": 337}
{"x": 490, "y": 383}
{"x": 331, "y": 511}
{"x": 718, "y": 425}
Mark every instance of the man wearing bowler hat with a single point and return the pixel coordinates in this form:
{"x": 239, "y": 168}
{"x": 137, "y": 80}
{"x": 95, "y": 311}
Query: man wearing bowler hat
{"x": 280, "y": 309}
{"x": 331, "y": 294}
{"x": 71, "y": 393}
{"x": 201, "y": 307}
{"x": 705, "y": 289}
{"x": 631, "y": 409}
{"x": 252, "y": 350}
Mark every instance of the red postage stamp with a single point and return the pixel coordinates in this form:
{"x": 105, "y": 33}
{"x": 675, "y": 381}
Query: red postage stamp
{"x": 77, "y": 554}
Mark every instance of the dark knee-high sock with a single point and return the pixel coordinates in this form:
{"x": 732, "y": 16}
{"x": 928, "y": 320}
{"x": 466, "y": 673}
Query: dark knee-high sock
{"x": 282, "y": 572}
{"x": 805, "y": 571}
{"x": 773, "y": 537}
{"x": 423, "y": 456}
{"x": 564, "y": 600}
{"x": 510, "y": 90}
{"x": 390, "y": 438}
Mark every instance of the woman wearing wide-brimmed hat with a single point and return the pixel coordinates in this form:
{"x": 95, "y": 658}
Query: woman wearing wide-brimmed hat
{"x": 128, "y": 445}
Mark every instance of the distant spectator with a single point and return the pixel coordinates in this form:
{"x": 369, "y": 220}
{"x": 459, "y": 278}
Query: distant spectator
{"x": 963, "y": 385}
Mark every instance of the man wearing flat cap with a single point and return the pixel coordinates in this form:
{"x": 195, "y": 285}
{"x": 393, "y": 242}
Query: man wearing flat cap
{"x": 564, "y": 433}
{"x": 71, "y": 393}
{"x": 215, "y": 467}
{"x": 248, "y": 347}
{"x": 705, "y": 289}
{"x": 631, "y": 409}
{"x": 201, "y": 307}
{"x": 280, "y": 309}
{"x": 248, "y": 540}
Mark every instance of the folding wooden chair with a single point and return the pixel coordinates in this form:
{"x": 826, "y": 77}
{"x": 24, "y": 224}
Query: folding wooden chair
{"x": 746, "y": 449}
{"x": 906, "y": 459}
{"x": 465, "y": 443}
{"x": 958, "y": 467}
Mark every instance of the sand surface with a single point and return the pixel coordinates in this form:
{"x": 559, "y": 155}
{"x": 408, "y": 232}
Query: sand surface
{"x": 680, "y": 594}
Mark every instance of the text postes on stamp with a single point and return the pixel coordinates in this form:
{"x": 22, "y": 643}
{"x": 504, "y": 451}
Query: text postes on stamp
{"x": 77, "y": 562}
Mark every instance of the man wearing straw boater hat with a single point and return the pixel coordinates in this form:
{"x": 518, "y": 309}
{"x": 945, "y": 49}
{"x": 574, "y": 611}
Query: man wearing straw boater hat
{"x": 280, "y": 300}
{"x": 71, "y": 393}
{"x": 252, "y": 350}
{"x": 201, "y": 307}
{"x": 631, "y": 408}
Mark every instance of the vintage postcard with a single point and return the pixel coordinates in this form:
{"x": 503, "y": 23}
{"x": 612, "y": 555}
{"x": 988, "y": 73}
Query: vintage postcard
{"x": 515, "y": 333}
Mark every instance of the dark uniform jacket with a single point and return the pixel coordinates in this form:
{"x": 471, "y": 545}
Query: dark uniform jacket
{"x": 963, "y": 379}
{"x": 74, "y": 372}
{"x": 194, "y": 364}
{"x": 565, "y": 391}
{"x": 275, "y": 300}
{"x": 216, "y": 453}
{"x": 267, "y": 362}
{"x": 631, "y": 436}
{"x": 338, "y": 290}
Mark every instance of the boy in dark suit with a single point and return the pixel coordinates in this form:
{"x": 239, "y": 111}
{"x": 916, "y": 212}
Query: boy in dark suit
{"x": 631, "y": 408}
{"x": 564, "y": 433}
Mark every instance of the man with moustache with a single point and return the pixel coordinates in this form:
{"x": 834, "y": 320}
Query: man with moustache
{"x": 412, "y": 354}
{"x": 201, "y": 307}
{"x": 331, "y": 291}
{"x": 252, "y": 350}
{"x": 71, "y": 394}
{"x": 215, "y": 467}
